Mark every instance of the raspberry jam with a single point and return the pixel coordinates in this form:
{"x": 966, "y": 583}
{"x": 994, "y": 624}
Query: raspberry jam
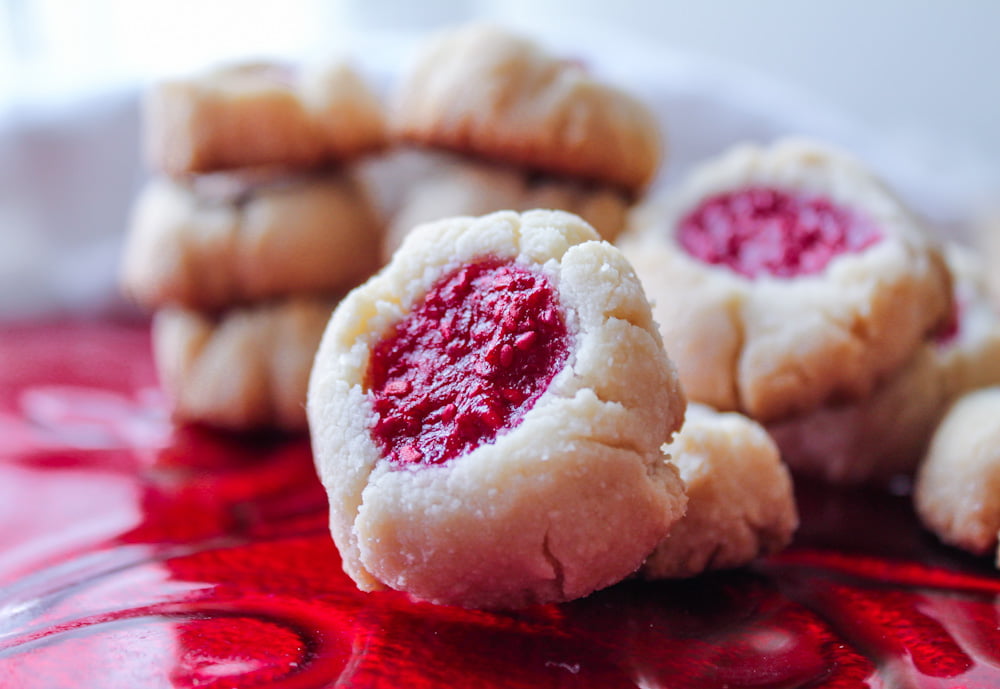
{"x": 467, "y": 363}
{"x": 760, "y": 231}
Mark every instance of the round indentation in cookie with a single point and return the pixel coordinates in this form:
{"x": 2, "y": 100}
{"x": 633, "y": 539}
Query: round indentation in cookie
{"x": 764, "y": 231}
{"x": 467, "y": 363}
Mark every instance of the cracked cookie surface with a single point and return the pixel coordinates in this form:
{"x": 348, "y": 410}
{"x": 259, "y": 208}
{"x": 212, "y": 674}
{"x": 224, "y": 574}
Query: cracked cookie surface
{"x": 567, "y": 500}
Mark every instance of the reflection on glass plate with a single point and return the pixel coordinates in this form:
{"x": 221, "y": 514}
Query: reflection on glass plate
{"x": 139, "y": 555}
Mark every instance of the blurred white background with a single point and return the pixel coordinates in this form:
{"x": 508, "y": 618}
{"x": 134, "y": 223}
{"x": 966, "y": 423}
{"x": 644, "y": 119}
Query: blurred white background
{"x": 930, "y": 67}
{"x": 912, "y": 84}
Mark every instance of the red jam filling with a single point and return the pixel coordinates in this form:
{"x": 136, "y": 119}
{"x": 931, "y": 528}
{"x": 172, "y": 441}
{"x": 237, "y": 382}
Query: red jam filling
{"x": 760, "y": 231}
{"x": 467, "y": 363}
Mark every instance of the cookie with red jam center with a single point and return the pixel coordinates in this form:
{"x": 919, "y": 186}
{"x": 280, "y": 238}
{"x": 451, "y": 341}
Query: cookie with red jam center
{"x": 766, "y": 231}
{"x": 487, "y": 414}
{"x": 787, "y": 277}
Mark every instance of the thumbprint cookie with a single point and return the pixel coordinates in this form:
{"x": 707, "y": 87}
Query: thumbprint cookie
{"x": 786, "y": 277}
{"x": 487, "y": 414}
{"x": 261, "y": 114}
{"x": 483, "y": 91}
{"x": 218, "y": 240}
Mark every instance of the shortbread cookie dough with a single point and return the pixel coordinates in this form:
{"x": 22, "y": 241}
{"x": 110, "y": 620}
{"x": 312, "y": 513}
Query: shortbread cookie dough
{"x": 244, "y": 369}
{"x": 223, "y": 239}
{"x": 886, "y": 434}
{"x": 261, "y": 114}
{"x": 957, "y": 492}
{"x": 464, "y": 187}
{"x": 787, "y": 277}
{"x": 487, "y": 414}
{"x": 741, "y": 503}
{"x": 482, "y": 91}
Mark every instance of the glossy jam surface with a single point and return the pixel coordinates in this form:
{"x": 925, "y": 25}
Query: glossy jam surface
{"x": 140, "y": 555}
{"x": 760, "y": 231}
{"x": 467, "y": 363}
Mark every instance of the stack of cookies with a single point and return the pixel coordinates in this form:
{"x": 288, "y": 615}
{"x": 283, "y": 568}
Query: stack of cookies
{"x": 511, "y": 127}
{"x": 251, "y": 229}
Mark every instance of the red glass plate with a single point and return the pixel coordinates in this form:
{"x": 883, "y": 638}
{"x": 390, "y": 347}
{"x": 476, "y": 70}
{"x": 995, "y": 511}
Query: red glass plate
{"x": 137, "y": 554}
